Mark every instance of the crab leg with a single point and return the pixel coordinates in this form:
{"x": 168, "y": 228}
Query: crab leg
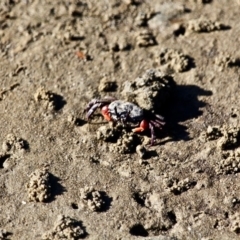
{"x": 153, "y": 136}
{"x": 159, "y": 117}
{"x": 125, "y": 118}
{"x": 156, "y": 124}
{"x": 117, "y": 114}
{"x": 158, "y": 121}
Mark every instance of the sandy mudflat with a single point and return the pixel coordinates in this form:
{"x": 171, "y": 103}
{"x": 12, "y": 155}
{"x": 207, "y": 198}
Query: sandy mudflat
{"x": 62, "y": 177}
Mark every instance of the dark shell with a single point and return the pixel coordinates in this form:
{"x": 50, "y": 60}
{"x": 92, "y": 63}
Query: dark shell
{"x": 123, "y": 108}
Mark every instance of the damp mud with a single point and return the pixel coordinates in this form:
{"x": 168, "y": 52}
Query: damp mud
{"x": 64, "y": 177}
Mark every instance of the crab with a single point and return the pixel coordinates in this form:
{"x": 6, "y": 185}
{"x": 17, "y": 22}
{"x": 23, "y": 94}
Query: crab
{"x": 126, "y": 113}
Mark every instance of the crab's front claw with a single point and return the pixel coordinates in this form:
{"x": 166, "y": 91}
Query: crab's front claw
{"x": 91, "y": 108}
{"x": 144, "y": 125}
{"x": 105, "y": 113}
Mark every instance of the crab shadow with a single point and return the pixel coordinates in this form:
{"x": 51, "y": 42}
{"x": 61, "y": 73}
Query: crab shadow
{"x": 184, "y": 106}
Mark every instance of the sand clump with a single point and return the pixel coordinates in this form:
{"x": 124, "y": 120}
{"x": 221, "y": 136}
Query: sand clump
{"x": 235, "y": 223}
{"x": 49, "y": 100}
{"x": 108, "y": 133}
{"x": 119, "y": 43}
{"x": 230, "y": 162}
{"x": 225, "y": 60}
{"x": 212, "y": 133}
{"x": 14, "y": 144}
{"x": 123, "y": 140}
{"x": 228, "y": 136}
{"x": 38, "y": 187}
{"x": 204, "y": 25}
{"x": 155, "y": 214}
{"x": 174, "y": 60}
{"x": 105, "y": 85}
{"x": 228, "y": 143}
{"x": 145, "y": 38}
{"x": 150, "y": 91}
{"x": 65, "y": 228}
{"x": 92, "y": 199}
{"x": 142, "y": 19}
{"x": 13, "y": 148}
{"x": 126, "y": 144}
{"x": 177, "y": 186}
